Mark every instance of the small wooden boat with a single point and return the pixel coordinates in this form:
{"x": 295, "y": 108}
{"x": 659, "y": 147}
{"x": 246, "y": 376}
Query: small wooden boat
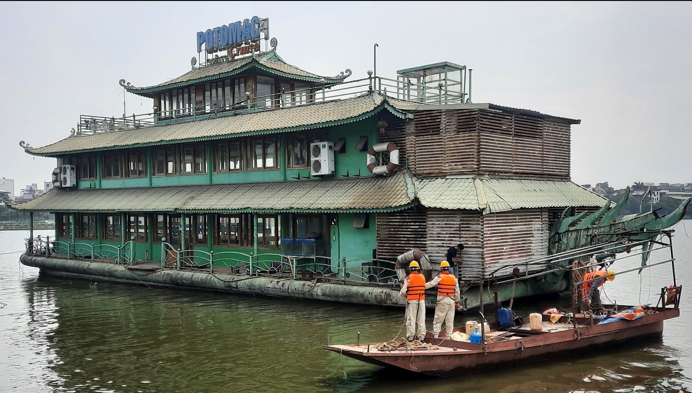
{"x": 547, "y": 336}
{"x": 509, "y": 346}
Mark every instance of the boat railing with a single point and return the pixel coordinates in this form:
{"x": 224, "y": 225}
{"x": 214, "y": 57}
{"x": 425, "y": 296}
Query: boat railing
{"x": 44, "y": 246}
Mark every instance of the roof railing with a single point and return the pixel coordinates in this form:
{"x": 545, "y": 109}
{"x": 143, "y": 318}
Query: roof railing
{"x": 394, "y": 88}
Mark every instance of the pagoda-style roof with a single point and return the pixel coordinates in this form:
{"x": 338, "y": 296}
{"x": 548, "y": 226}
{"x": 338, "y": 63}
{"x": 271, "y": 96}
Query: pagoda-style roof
{"x": 269, "y": 62}
{"x": 304, "y": 117}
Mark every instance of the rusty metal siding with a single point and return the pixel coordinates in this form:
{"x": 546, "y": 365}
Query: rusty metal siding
{"x": 396, "y": 133}
{"x": 512, "y": 238}
{"x": 556, "y": 156}
{"x": 447, "y": 228}
{"x": 496, "y": 147}
{"x": 399, "y": 232}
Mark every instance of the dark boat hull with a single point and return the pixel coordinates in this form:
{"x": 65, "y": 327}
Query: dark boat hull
{"x": 449, "y": 358}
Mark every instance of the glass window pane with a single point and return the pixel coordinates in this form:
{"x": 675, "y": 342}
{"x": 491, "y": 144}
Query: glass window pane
{"x": 227, "y": 93}
{"x": 234, "y": 156}
{"x": 269, "y": 153}
{"x": 188, "y": 152}
{"x": 257, "y": 153}
{"x": 222, "y": 157}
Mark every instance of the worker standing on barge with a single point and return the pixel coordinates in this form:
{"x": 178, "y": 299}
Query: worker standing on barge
{"x": 413, "y": 289}
{"x": 448, "y": 296}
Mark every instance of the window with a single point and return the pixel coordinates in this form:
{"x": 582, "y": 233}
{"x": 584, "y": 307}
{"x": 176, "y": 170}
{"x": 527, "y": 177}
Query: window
{"x": 87, "y": 167}
{"x": 161, "y": 224}
{"x": 111, "y": 227}
{"x": 263, "y": 153}
{"x": 286, "y": 99}
{"x": 193, "y": 159}
{"x": 228, "y": 156}
{"x": 136, "y": 164}
{"x": 307, "y": 226}
{"x": 298, "y": 145}
{"x": 265, "y": 92}
{"x": 178, "y": 102}
{"x": 64, "y": 225}
{"x": 266, "y": 231}
{"x": 239, "y": 91}
{"x": 200, "y": 225}
{"x": 302, "y": 92}
{"x": 137, "y": 227}
{"x": 228, "y": 230}
{"x": 362, "y": 143}
{"x": 86, "y": 226}
{"x": 360, "y": 221}
{"x": 174, "y": 230}
{"x": 111, "y": 165}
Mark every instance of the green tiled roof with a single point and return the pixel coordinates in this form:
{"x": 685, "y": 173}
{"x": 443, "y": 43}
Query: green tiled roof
{"x": 329, "y": 195}
{"x": 296, "y": 118}
{"x": 269, "y": 62}
{"x": 370, "y": 194}
{"x": 493, "y": 195}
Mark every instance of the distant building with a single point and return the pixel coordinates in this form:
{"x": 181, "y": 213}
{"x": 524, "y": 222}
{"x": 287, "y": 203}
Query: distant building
{"x": 47, "y": 186}
{"x": 603, "y": 189}
{"x": 28, "y": 193}
{"x": 7, "y": 187}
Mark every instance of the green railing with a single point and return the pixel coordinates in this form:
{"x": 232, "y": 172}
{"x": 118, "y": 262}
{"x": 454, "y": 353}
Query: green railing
{"x": 44, "y": 246}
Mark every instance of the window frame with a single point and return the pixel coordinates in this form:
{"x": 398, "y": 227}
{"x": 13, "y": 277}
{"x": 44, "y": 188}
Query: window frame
{"x": 117, "y": 235}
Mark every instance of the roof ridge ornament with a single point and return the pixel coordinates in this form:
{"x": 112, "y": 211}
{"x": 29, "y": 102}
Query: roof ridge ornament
{"x": 274, "y": 43}
{"x": 344, "y": 74}
{"x": 25, "y": 145}
{"x": 125, "y": 84}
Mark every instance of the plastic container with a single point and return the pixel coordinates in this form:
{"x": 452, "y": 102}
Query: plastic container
{"x": 471, "y": 327}
{"x": 476, "y": 337}
{"x": 536, "y": 321}
{"x": 459, "y": 336}
{"x": 505, "y": 319}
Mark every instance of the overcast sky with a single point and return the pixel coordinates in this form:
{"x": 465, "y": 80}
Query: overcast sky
{"x": 623, "y": 68}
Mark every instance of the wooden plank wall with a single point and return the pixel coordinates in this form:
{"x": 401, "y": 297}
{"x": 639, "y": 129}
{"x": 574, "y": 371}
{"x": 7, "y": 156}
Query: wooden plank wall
{"x": 399, "y": 232}
{"x": 512, "y": 238}
{"x": 446, "y": 228}
{"x": 485, "y": 142}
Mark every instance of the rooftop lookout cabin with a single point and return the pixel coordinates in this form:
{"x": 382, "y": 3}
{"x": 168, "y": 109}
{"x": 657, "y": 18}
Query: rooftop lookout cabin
{"x": 249, "y": 164}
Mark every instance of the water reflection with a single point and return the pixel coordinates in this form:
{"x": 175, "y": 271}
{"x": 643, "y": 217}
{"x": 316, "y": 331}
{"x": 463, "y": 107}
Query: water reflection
{"x": 73, "y": 335}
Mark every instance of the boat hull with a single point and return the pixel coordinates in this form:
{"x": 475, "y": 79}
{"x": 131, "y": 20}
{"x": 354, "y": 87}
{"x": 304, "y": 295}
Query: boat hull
{"x": 451, "y": 358}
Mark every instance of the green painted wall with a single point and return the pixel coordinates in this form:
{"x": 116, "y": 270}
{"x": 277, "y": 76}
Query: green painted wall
{"x": 247, "y": 177}
{"x": 124, "y": 183}
{"x": 355, "y": 243}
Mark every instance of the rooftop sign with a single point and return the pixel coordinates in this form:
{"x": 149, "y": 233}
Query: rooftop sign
{"x": 237, "y": 33}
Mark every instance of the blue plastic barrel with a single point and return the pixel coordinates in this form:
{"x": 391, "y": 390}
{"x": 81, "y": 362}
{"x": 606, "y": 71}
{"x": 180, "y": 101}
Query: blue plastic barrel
{"x": 505, "y": 319}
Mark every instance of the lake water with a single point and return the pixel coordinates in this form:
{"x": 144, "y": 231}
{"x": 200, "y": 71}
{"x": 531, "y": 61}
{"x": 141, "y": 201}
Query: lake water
{"x": 59, "y": 335}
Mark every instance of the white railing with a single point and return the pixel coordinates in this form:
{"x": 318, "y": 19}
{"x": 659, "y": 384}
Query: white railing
{"x": 422, "y": 94}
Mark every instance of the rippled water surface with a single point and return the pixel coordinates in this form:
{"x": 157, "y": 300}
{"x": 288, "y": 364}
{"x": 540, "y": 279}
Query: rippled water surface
{"x": 80, "y": 336}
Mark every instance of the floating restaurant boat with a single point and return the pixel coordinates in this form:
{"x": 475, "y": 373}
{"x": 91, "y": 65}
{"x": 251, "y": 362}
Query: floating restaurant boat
{"x": 254, "y": 176}
{"x": 552, "y": 334}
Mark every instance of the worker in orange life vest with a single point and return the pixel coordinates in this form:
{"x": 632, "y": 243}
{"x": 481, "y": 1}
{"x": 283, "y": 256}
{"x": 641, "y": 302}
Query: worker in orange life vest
{"x": 448, "y": 296}
{"x": 593, "y": 280}
{"x": 413, "y": 289}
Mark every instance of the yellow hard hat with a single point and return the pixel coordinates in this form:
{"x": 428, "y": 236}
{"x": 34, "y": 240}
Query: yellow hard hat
{"x": 444, "y": 264}
{"x": 611, "y": 275}
{"x": 413, "y": 264}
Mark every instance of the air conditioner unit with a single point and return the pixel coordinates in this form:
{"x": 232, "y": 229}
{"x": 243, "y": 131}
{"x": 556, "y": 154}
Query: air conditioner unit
{"x": 321, "y": 158}
{"x": 68, "y": 176}
{"x": 55, "y": 177}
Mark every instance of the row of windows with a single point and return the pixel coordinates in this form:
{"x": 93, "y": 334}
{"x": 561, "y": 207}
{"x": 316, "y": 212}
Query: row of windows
{"x": 252, "y": 153}
{"x": 229, "y": 94}
{"x": 228, "y": 229}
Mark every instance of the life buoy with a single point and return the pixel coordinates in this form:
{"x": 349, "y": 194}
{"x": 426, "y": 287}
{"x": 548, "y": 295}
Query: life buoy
{"x": 393, "y": 158}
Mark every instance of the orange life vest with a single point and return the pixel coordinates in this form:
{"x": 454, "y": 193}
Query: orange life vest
{"x": 593, "y": 275}
{"x": 416, "y": 287}
{"x": 446, "y": 285}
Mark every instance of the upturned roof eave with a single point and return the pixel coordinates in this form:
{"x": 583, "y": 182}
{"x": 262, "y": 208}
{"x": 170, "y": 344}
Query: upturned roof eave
{"x": 149, "y": 91}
